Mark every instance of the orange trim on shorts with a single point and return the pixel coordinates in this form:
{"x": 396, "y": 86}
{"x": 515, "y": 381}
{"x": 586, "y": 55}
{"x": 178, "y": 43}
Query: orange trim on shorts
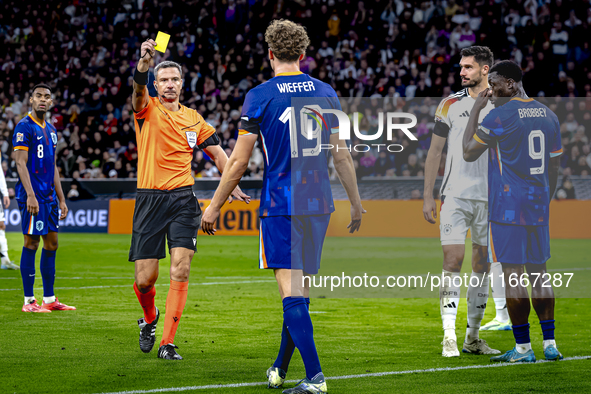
{"x": 265, "y": 265}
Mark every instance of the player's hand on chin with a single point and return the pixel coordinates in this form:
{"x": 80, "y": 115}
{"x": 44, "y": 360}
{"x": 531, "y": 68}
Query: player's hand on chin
{"x": 483, "y": 98}
{"x": 210, "y": 216}
{"x": 64, "y": 210}
{"x": 32, "y": 205}
{"x": 239, "y": 195}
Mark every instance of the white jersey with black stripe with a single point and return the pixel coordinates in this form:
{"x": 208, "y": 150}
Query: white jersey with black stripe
{"x": 461, "y": 179}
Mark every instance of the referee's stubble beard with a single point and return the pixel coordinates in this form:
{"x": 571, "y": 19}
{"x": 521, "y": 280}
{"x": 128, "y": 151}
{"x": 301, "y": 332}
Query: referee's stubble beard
{"x": 169, "y": 85}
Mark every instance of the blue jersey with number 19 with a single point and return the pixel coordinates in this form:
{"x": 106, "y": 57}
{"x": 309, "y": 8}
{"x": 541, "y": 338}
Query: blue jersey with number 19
{"x": 523, "y": 135}
{"x": 296, "y": 180}
{"x": 40, "y": 141}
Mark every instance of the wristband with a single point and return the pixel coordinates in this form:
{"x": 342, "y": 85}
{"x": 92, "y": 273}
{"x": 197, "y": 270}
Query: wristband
{"x": 141, "y": 78}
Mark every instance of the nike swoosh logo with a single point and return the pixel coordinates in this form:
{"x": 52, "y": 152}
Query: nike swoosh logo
{"x": 39, "y": 138}
{"x": 513, "y": 359}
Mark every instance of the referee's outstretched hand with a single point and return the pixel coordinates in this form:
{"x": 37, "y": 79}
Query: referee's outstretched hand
{"x": 147, "y": 49}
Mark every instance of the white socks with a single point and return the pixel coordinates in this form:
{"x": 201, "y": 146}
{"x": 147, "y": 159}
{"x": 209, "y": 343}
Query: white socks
{"x": 523, "y": 347}
{"x": 449, "y": 300}
{"x": 498, "y": 292}
{"x": 28, "y": 300}
{"x": 4, "y": 246}
{"x": 549, "y": 342}
{"x": 49, "y": 300}
{"x": 476, "y": 298}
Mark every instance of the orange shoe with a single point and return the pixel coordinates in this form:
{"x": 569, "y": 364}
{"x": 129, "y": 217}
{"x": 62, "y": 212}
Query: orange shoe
{"x": 34, "y": 307}
{"x": 58, "y": 306}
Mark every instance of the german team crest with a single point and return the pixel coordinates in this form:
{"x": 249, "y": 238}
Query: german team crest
{"x": 54, "y": 138}
{"x": 192, "y": 138}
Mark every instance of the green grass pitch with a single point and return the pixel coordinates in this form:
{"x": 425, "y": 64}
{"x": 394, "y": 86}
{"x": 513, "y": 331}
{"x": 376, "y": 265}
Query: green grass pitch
{"x": 230, "y": 330}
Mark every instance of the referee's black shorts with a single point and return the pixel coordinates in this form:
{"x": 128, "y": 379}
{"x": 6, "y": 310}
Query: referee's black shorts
{"x": 159, "y": 215}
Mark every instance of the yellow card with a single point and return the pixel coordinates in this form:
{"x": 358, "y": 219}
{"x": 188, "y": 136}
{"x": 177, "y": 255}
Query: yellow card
{"x": 162, "y": 41}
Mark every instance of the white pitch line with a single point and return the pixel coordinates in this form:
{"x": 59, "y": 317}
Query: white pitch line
{"x": 365, "y": 375}
{"x": 157, "y": 284}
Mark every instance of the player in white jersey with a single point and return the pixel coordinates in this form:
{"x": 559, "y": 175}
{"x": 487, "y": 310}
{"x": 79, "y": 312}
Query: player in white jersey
{"x": 464, "y": 205}
{"x": 6, "y": 263}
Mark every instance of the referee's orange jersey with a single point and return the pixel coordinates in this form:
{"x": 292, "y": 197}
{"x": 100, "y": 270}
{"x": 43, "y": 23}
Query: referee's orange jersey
{"x": 165, "y": 142}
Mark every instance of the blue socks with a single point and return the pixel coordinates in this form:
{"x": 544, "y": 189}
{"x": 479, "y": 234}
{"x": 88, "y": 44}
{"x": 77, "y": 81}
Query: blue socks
{"x": 28, "y": 271}
{"x": 521, "y": 333}
{"x": 299, "y": 325}
{"x": 547, "y": 329}
{"x": 287, "y": 346}
{"x": 47, "y": 268}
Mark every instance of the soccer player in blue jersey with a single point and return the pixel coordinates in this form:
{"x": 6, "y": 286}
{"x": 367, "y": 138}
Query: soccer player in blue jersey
{"x": 37, "y": 192}
{"x": 296, "y": 200}
{"x": 523, "y": 136}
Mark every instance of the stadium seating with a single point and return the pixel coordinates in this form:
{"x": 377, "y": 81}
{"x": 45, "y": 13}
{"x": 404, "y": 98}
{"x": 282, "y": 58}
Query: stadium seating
{"x": 87, "y": 52}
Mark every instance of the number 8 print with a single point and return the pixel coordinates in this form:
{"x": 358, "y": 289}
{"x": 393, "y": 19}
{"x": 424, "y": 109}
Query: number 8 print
{"x": 40, "y": 151}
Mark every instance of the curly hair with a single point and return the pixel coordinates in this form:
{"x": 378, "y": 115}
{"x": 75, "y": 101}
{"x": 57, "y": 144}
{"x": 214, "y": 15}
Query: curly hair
{"x": 287, "y": 40}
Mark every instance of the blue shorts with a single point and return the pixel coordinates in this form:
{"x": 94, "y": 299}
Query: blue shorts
{"x": 518, "y": 244}
{"x": 292, "y": 242}
{"x": 45, "y": 221}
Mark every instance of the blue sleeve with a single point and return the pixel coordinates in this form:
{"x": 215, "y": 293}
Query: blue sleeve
{"x": 556, "y": 145}
{"x": 252, "y": 114}
{"x": 490, "y": 128}
{"x": 21, "y": 139}
{"x": 331, "y": 120}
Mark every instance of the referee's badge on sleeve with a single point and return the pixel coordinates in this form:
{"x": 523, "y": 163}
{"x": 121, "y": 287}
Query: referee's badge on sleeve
{"x": 192, "y": 138}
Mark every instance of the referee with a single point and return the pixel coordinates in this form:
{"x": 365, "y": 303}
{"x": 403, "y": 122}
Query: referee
{"x": 166, "y": 208}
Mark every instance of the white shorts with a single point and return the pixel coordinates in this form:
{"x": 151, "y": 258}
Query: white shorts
{"x": 457, "y": 215}
{"x": 2, "y": 218}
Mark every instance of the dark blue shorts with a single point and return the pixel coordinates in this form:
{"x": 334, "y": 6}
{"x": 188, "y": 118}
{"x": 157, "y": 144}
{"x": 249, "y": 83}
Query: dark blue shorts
{"x": 292, "y": 242}
{"x": 518, "y": 244}
{"x": 45, "y": 221}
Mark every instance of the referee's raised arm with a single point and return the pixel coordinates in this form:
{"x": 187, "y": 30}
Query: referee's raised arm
{"x": 140, "y": 77}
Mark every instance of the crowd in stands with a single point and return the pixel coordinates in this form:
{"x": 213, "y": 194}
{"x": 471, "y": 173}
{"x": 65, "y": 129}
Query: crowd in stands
{"x": 392, "y": 50}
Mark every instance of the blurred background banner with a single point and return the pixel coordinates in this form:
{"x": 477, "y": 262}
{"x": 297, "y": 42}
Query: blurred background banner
{"x": 90, "y": 216}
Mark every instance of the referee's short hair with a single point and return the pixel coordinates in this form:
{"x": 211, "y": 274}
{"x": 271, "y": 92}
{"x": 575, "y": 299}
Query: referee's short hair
{"x": 167, "y": 64}
{"x": 41, "y": 86}
{"x": 508, "y": 70}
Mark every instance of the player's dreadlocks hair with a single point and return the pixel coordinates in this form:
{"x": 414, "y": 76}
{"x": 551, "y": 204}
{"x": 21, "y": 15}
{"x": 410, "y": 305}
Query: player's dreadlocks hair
{"x": 287, "y": 40}
{"x": 41, "y": 86}
{"x": 508, "y": 70}
{"x": 482, "y": 55}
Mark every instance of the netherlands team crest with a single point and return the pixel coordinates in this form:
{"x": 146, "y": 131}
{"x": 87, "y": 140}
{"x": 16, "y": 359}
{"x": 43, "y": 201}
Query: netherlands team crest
{"x": 39, "y": 225}
{"x": 192, "y": 138}
{"x": 54, "y": 138}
